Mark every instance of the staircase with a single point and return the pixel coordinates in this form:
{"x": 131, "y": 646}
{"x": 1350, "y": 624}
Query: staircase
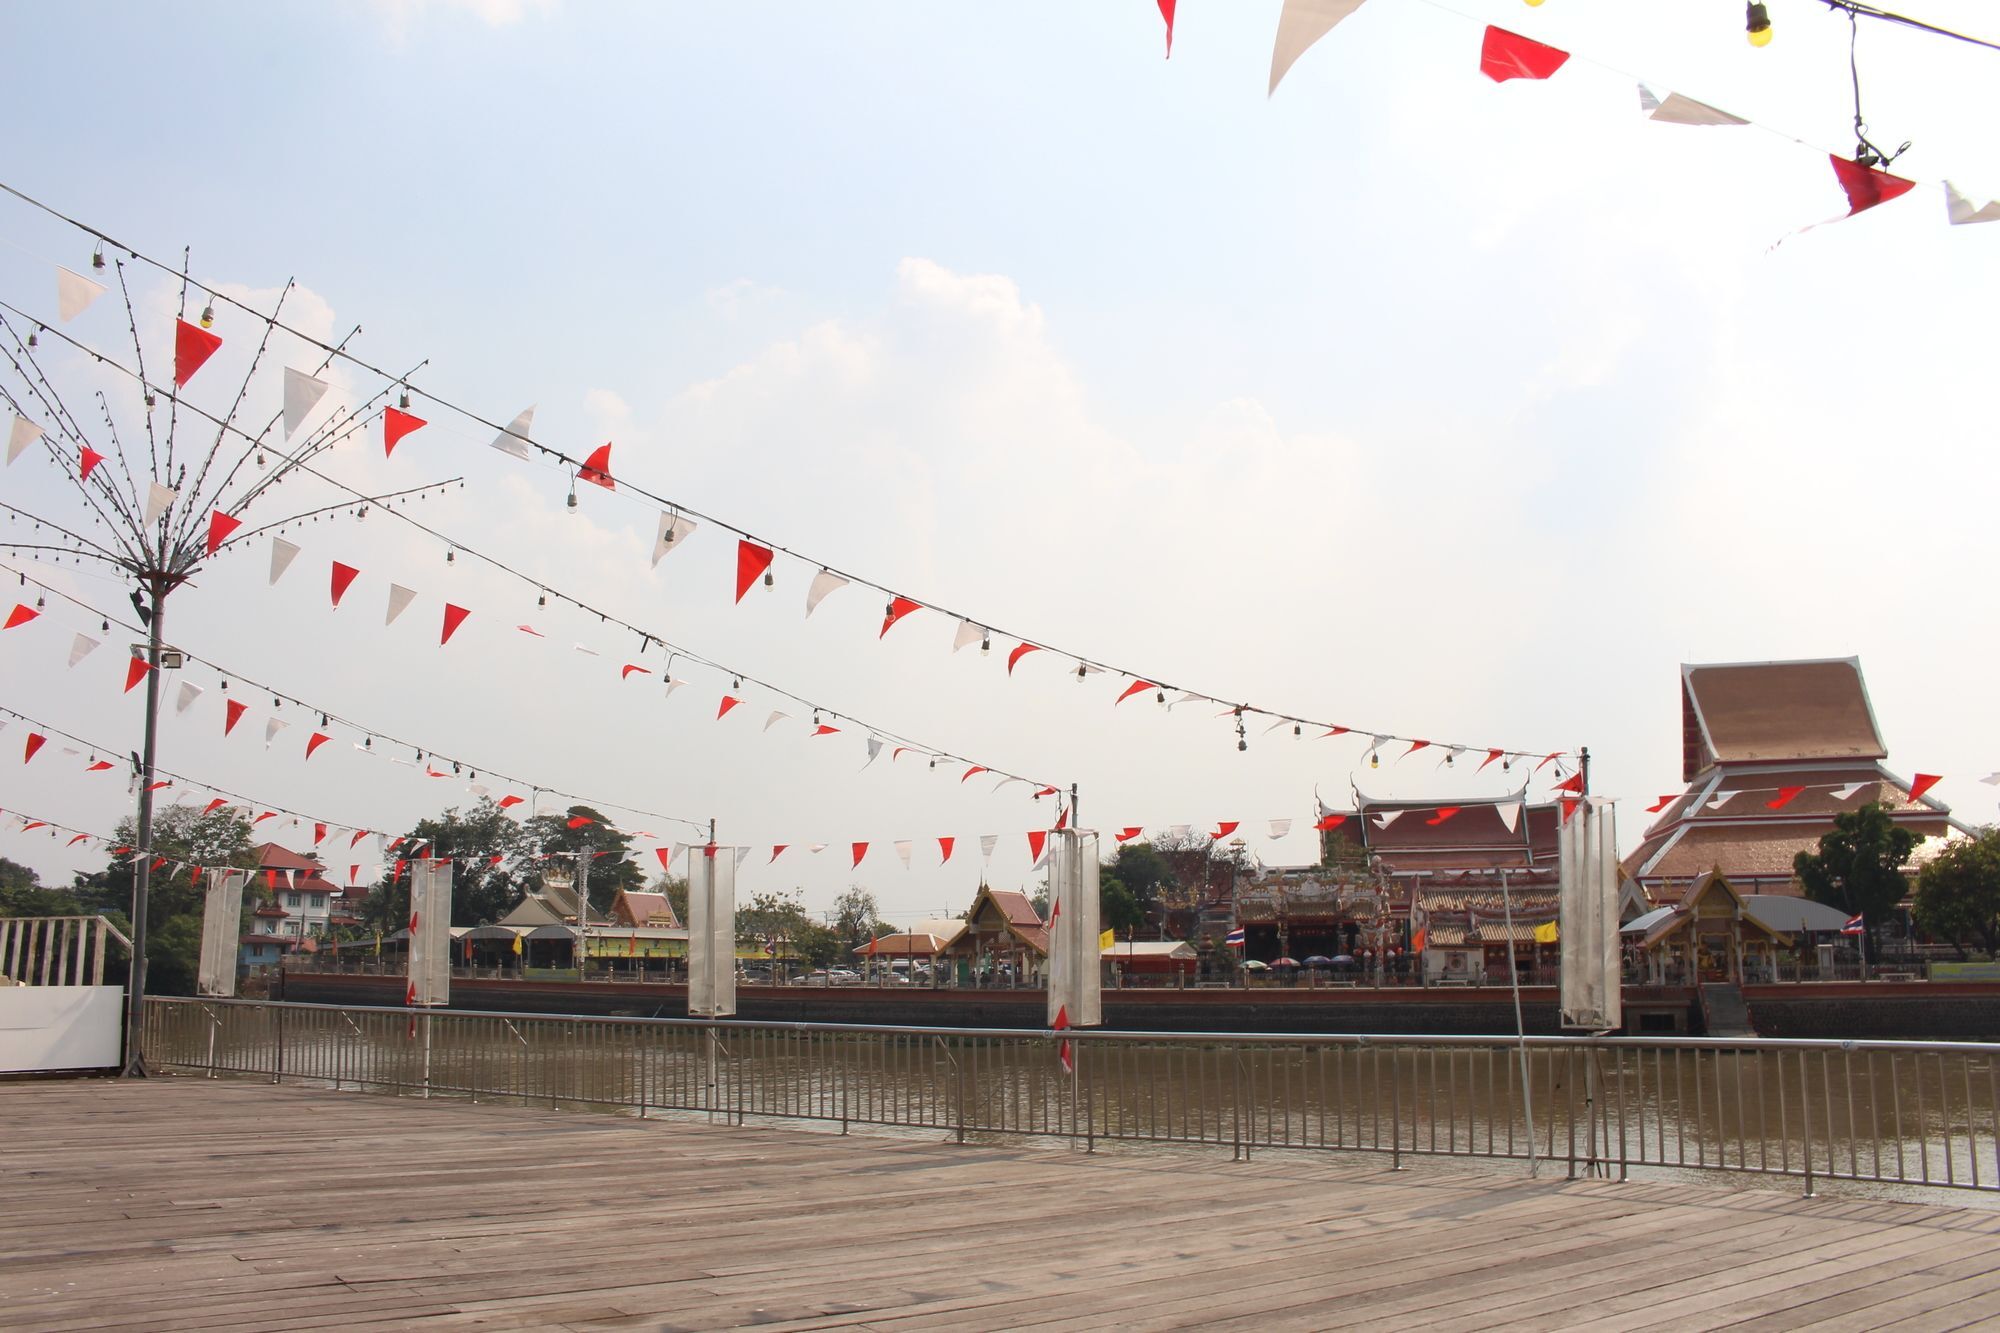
{"x": 1723, "y": 1011}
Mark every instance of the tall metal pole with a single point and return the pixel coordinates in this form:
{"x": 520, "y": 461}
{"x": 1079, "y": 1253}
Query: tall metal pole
{"x": 1520, "y": 1027}
{"x": 582, "y": 904}
{"x": 142, "y": 881}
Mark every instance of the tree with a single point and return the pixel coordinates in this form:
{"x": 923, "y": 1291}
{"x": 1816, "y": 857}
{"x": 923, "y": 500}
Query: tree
{"x": 481, "y": 892}
{"x": 772, "y": 922}
{"x": 609, "y": 872}
{"x": 1859, "y": 867}
{"x": 676, "y": 889}
{"x": 22, "y": 894}
{"x": 1117, "y": 907}
{"x": 855, "y": 917}
{"x": 183, "y": 836}
{"x": 1958, "y": 894}
{"x": 1143, "y": 871}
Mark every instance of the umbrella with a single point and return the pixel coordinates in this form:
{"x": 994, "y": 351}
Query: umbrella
{"x": 1284, "y": 962}
{"x": 1254, "y": 966}
{"x": 1343, "y": 960}
{"x": 1319, "y": 960}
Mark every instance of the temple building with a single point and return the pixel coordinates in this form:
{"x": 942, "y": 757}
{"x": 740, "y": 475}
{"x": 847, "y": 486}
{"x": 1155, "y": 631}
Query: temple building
{"x": 1004, "y": 940}
{"x": 1771, "y": 752}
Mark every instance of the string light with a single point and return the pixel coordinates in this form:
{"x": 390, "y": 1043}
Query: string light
{"x": 1757, "y": 22}
{"x": 97, "y": 257}
{"x": 208, "y": 315}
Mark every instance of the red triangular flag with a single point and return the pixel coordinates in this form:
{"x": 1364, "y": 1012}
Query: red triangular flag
{"x": 319, "y": 834}
{"x": 313, "y": 742}
{"x": 751, "y": 560}
{"x": 1508, "y": 55}
{"x": 1569, "y": 805}
{"x": 232, "y": 713}
{"x": 1444, "y": 812}
{"x": 506, "y": 801}
{"x": 135, "y": 671}
{"x": 270, "y": 881}
{"x": 192, "y": 348}
{"x": 860, "y": 850}
{"x": 353, "y": 872}
{"x": 1127, "y": 834}
{"x": 1491, "y": 755}
{"x": 1921, "y": 783}
{"x": 1018, "y": 654}
{"x": 945, "y": 846}
{"x": 1062, "y": 1011}
{"x": 625, "y": 672}
{"x": 597, "y": 468}
{"x": 581, "y": 821}
{"x": 88, "y": 463}
{"x": 343, "y": 575}
{"x": 1786, "y": 795}
{"x": 1661, "y": 804}
{"x": 20, "y": 615}
{"x": 665, "y": 854}
{"x": 268, "y": 814}
{"x": 777, "y": 851}
{"x": 99, "y": 766}
{"x": 1330, "y": 822}
{"x": 898, "y": 608}
{"x": 78, "y": 838}
{"x": 33, "y": 824}
{"x": 1037, "y": 839}
{"x": 970, "y": 772}
{"x": 1866, "y": 186}
{"x": 1167, "y": 13}
{"x": 220, "y": 525}
{"x": 1136, "y": 687}
{"x": 213, "y": 806}
{"x": 454, "y": 616}
{"x": 1224, "y": 829}
{"x": 728, "y": 702}
{"x": 1414, "y": 747}
{"x": 395, "y": 425}
{"x": 824, "y": 730}
{"x": 35, "y": 742}
{"x": 1572, "y": 783}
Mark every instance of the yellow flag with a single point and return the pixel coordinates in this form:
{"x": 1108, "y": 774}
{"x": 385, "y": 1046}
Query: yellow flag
{"x": 1106, "y": 940}
{"x": 378, "y": 944}
{"x": 1547, "y": 933}
{"x": 517, "y": 945}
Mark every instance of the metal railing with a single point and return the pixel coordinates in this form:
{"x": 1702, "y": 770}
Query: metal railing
{"x": 1908, "y": 1113}
{"x": 55, "y": 950}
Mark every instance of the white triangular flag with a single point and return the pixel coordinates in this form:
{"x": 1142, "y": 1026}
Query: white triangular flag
{"x": 874, "y": 749}
{"x": 740, "y": 853}
{"x": 302, "y": 395}
{"x": 282, "y": 554}
{"x": 1962, "y": 210}
{"x": 987, "y": 842}
{"x": 80, "y": 648}
{"x": 1721, "y": 799}
{"x": 189, "y": 693}
{"x": 158, "y": 501}
{"x": 23, "y": 434}
{"x": 1678, "y": 110}
{"x": 903, "y": 850}
{"x": 1510, "y": 814}
{"x": 1387, "y": 817}
{"x": 1280, "y": 827}
{"x": 1300, "y": 24}
{"x": 1187, "y": 697}
{"x": 272, "y": 728}
{"x": 399, "y": 601}
{"x": 1648, "y": 103}
{"x": 587, "y": 650}
{"x": 817, "y": 847}
{"x": 968, "y": 633}
{"x": 1279, "y": 723}
{"x": 74, "y": 293}
{"x": 1179, "y": 830}
{"x": 823, "y": 583}
{"x": 292, "y": 876}
{"x": 1991, "y": 779}
{"x": 775, "y": 718}
{"x": 673, "y": 531}
{"x": 514, "y": 439}
{"x": 1847, "y": 793}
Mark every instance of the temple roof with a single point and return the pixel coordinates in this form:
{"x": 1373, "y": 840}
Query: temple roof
{"x": 631, "y": 908}
{"x": 1773, "y": 712}
{"x": 1434, "y": 836}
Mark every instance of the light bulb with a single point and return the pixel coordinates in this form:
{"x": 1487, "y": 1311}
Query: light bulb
{"x": 985, "y": 644}
{"x": 97, "y": 257}
{"x": 1242, "y": 744}
{"x": 770, "y": 581}
{"x": 403, "y": 400}
{"x": 572, "y": 494}
{"x": 33, "y": 341}
{"x": 450, "y": 556}
{"x": 1374, "y": 759}
{"x": 1757, "y": 22}
{"x": 208, "y": 315}
{"x": 542, "y": 600}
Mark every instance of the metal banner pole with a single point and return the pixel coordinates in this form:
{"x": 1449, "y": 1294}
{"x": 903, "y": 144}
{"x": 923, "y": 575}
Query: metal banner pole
{"x": 1520, "y": 1026}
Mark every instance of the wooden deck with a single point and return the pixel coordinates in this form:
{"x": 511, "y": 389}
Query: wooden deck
{"x": 187, "y": 1204}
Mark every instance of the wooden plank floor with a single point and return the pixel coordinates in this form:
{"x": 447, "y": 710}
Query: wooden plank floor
{"x": 181, "y": 1203}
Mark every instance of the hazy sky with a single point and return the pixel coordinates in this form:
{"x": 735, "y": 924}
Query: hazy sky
{"x": 1402, "y": 399}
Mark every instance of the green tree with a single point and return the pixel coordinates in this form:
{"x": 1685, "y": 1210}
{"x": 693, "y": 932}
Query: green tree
{"x": 1859, "y": 867}
{"x": 183, "y": 836}
{"x": 22, "y": 894}
{"x": 1143, "y": 871}
{"x": 1958, "y": 894}
{"x": 1117, "y": 907}
{"x": 481, "y": 892}
{"x": 610, "y": 871}
{"x": 855, "y": 917}
{"x": 676, "y": 889}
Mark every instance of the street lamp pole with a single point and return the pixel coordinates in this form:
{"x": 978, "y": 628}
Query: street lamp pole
{"x": 158, "y": 584}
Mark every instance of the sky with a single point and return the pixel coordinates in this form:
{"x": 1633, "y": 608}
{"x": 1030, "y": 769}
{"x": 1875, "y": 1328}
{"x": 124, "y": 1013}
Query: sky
{"x": 1400, "y": 399}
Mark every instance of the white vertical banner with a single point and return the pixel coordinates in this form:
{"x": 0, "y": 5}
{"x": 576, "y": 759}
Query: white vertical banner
{"x": 1076, "y": 978}
{"x": 221, "y": 933}
{"x": 711, "y": 934}
{"x": 1587, "y": 861}
{"x": 430, "y": 933}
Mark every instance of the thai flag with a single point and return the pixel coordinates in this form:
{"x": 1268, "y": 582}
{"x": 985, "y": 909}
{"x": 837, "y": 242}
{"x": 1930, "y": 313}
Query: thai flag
{"x": 1854, "y": 925}
{"x": 1234, "y": 939}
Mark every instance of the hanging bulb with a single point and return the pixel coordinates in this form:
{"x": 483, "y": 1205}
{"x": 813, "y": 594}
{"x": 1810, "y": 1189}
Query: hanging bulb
{"x": 208, "y": 315}
{"x": 667, "y": 537}
{"x": 1160, "y": 697}
{"x": 104, "y": 626}
{"x": 1297, "y": 730}
{"x": 1533, "y": 4}
{"x": 1080, "y": 670}
{"x": 276, "y": 702}
{"x": 323, "y": 722}
{"x": 542, "y": 600}
{"x": 368, "y": 742}
{"x": 450, "y": 556}
{"x": 40, "y": 601}
{"x": 97, "y": 257}
{"x": 34, "y": 341}
{"x": 1242, "y": 744}
{"x": 1448, "y": 761}
{"x": 260, "y": 458}
{"x": 770, "y": 581}
{"x": 572, "y": 492}
{"x": 403, "y": 401}
{"x": 1506, "y": 765}
{"x": 149, "y": 400}
{"x": 985, "y": 643}
{"x": 736, "y": 682}
{"x": 1757, "y": 22}
{"x": 454, "y": 766}
{"x": 225, "y": 687}
{"x": 1374, "y": 759}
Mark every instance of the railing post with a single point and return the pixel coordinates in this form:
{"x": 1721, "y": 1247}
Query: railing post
{"x": 1396, "y": 1109}
{"x": 278, "y": 1065}
{"x": 1805, "y": 1114}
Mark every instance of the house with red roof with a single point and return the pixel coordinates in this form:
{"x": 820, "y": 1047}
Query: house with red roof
{"x": 298, "y": 885}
